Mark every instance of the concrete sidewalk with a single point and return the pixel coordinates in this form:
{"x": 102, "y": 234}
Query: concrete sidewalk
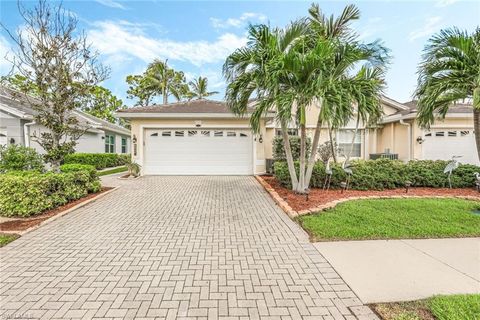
{"x": 401, "y": 270}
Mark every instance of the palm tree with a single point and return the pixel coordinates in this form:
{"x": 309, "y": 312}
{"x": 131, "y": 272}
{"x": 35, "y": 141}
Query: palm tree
{"x": 166, "y": 81}
{"x": 449, "y": 72}
{"x": 309, "y": 62}
{"x": 198, "y": 88}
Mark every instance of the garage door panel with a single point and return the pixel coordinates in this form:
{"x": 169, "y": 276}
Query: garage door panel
{"x": 193, "y": 151}
{"x": 443, "y": 144}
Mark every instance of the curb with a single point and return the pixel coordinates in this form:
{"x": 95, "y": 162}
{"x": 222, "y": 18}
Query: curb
{"x": 61, "y": 214}
{"x": 332, "y": 204}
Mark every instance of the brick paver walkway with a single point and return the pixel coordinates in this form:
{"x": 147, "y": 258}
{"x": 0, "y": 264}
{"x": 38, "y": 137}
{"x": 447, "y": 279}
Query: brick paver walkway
{"x": 174, "y": 248}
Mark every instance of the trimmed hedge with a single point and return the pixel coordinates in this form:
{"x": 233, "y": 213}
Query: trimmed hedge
{"x": 25, "y": 193}
{"x": 387, "y": 174}
{"x": 17, "y": 157}
{"x": 98, "y": 160}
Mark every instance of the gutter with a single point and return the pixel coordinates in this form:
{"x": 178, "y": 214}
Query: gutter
{"x": 26, "y": 133}
{"x": 409, "y": 128}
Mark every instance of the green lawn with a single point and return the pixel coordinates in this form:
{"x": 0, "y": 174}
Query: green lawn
{"x": 455, "y": 307}
{"x": 395, "y": 219}
{"x": 112, "y": 171}
{"x": 6, "y": 239}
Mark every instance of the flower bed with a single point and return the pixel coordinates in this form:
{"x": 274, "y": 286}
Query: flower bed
{"x": 319, "y": 198}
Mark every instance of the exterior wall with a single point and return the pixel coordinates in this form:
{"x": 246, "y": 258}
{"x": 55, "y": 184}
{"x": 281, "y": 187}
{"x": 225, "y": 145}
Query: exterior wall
{"x": 138, "y": 126}
{"x": 13, "y": 126}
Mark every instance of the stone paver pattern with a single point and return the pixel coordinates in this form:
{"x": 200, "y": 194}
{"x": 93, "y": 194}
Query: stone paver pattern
{"x": 174, "y": 248}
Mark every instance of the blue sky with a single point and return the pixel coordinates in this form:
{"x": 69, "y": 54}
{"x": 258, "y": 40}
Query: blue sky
{"x": 196, "y": 36}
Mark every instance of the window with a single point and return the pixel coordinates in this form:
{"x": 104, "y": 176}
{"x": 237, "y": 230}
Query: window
{"x": 291, "y": 132}
{"x": 464, "y": 133}
{"x": 124, "y": 145}
{"x": 243, "y": 135}
{"x": 218, "y": 133}
{"x": 439, "y": 134}
{"x": 154, "y": 134}
{"x": 428, "y": 134}
{"x": 206, "y": 133}
{"x": 179, "y": 133}
{"x": 344, "y": 138}
{"x": 231, "y": 134}
{"x": 192, "y": 133}
{"x": 452, "y": 133}
{"x": 109, "y": 143}
{"x": 166, "y": 133}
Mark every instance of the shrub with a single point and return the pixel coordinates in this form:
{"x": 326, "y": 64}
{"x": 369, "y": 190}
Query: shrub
{"x": 279, "y": 151}
{"x": 98, "y": 160}
{"x": 25, "y": 193}
{"x": 74, "y": 167}
{"x": 387, "y": 174}
{"x": 16, "y": 157}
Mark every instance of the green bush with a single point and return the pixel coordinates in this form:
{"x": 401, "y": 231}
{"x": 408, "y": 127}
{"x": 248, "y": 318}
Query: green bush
{"x": 98, "y": 160}
{"x": 387, "y": 174}
{"x": 16, "y": 157}
{"x": 279, "y": 151}
{"x": 74, "y": 167}
{"x": 25, "y": 193}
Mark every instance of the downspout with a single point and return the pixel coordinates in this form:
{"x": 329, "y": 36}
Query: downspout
{"x": 409, "y": 128}
{"x": 26, "y": 133}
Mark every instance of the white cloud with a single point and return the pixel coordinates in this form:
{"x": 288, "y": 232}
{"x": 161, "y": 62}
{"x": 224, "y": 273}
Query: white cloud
{"x": 5, "y": 56}
{"x": 237, "y": 22}
{"x": 431, "y": 25}
{"x": 121, "y": 41}
{"x": 370, "y": 28}
{"x": 112, "y": 4}
{"x": 445, "y": 3}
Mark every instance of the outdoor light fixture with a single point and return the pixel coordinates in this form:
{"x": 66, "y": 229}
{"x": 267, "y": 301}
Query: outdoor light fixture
{"x": 12, "y": 141}
{"x": 343, "y": 185}
{"x": 420, "y": 140}
{"x": 408, "y": 184}
{"x": 134, "y": 140}
{"x": 260, "y": 139}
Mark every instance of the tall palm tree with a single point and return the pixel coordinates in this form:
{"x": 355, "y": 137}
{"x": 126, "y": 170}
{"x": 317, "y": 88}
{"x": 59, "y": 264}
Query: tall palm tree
{"x": 449, "y": 72}
{"x": 166, "y": 81}
{"x": 198, "y": 88}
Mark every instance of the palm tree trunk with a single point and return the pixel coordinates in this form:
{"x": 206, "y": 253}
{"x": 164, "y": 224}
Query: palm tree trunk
{"x": 288, "y": 155}
{"x": 332, "y": 143}
{"x": 476, "y": 128}
{"x": 349, "y": 153}
{"x": 301, "y": 188}
{"x": 311, "y": 158}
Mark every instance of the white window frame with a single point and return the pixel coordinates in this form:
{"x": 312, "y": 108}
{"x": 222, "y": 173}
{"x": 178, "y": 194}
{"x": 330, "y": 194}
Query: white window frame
{"x": 344, "y": 142}
{"x": 109, "y": 146}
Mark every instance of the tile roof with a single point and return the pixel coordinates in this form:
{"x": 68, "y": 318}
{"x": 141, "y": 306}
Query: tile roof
{"x": 192, "y": 106}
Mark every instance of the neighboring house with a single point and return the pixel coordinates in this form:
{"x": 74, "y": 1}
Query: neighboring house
{"x": 399, "y": 133}
{"x": 17, "y": 126}
{"x": 202, "y": 137}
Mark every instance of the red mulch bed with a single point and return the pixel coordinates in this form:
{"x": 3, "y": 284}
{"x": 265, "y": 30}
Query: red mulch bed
{"x": 25, "y": 223}
{"x": 318, "y": 197}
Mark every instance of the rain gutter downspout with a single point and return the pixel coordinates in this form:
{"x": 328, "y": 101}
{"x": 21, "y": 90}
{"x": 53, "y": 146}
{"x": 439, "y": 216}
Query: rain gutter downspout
{"x": 26, "y": 133}
{"x": 409, "y": 126}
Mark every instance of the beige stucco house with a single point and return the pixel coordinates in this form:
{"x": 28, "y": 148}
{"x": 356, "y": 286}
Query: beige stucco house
{"x": 204, "y": 137}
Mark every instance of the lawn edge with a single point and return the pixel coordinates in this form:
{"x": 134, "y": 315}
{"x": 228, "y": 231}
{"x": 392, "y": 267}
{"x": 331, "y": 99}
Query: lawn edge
{"x": 332, "y": 204}
{"x": 61, "y": 214}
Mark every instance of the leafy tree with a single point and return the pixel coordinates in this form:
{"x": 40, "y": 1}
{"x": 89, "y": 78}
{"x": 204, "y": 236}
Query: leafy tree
{"x": 101, "y": 103}
{"x": 157, "y": 80}
{"x": 309, "y": 62}
{"x": 449, "y": 72}
{"x": 198, "y": 88}
{"x": 54, "y": 57}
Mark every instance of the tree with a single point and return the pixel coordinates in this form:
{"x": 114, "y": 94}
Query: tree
{"x": 198, "y": 88}
{"x": 101, "y": 103}
{"x": 157, "y": 80}
{"x": 449, "y": 72}
{"x": 308, "y": 63}
{"x": 57, "y": 60}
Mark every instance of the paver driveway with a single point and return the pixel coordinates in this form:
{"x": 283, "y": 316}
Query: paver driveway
{"x": 174, "y": 248}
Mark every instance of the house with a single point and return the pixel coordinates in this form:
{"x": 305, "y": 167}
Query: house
{"x": 399, "y": 133}
{"x": 203, "y": 137}
{"x": 17, "y": 126}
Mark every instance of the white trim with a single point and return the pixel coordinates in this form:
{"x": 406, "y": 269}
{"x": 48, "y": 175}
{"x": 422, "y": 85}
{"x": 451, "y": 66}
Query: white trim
{"x": 15, "y": 112}
{"x": 393, "y": 103}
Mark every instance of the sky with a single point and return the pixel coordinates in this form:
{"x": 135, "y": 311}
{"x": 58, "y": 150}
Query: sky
{"x": 196, "y": 36}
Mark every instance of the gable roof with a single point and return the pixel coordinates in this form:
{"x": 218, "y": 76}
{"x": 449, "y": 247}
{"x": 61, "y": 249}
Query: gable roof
{"x": 456, "y": 108}
{"x": 16, "y": 103}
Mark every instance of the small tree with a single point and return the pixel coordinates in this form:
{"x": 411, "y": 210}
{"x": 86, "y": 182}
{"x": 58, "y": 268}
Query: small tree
{"x": 58, "y": 61}
{"x": 199, "y": 90}
{"x": 101, "y": 103}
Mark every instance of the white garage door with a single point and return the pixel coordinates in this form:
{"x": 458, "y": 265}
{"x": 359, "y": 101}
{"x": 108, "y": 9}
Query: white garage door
{"x": 442, "y": 144}
{"x": 198, "y": 152}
